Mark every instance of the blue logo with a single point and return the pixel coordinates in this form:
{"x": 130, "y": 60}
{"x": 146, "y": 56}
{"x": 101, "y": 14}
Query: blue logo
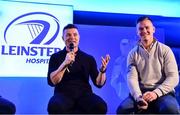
{"x": 38, "y": 25}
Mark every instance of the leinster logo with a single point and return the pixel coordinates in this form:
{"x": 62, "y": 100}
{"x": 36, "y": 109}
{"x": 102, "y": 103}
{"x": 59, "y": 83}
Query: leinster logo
{"x": 30, "y": 37}
{"x": 32, "y": 28}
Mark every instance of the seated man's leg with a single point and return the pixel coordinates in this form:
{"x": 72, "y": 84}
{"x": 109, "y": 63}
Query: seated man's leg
{"x": 60, "y": 103}
{"x": 127, "y": 106}
{"x": 6, "y": 107}
{"x": 167, "y": 104}
{"x": 92, "y": 104}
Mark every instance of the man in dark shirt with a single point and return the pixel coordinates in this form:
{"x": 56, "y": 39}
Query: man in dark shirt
{"x": 69, "y": 72}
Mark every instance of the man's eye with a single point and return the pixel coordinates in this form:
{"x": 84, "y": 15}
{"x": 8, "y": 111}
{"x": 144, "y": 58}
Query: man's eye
{"x": 68, "y": 35}
{"x": 140, "y": 28}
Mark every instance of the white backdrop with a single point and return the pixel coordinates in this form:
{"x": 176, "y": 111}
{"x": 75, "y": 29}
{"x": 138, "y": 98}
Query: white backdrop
{"x": 29, "y": 34}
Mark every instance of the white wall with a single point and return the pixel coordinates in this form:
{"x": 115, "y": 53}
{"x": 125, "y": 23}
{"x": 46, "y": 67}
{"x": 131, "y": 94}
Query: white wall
{"x": 168, "y": 8}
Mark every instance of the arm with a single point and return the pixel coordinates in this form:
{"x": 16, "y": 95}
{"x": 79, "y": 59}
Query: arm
{"x": 170, "y": 72}
{"x": 132, "y": 77}
{"x": 100, "y": 80}
{"x": 57, "y": 75}
{"x": 133, "y": 82}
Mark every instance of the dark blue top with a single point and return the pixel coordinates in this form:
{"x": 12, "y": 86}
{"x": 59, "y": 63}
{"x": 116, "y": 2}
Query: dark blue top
{"x": 75, "y": 82}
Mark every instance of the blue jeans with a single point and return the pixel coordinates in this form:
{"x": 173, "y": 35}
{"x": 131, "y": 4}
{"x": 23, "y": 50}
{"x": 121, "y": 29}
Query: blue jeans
{"x": 166, "y": 104}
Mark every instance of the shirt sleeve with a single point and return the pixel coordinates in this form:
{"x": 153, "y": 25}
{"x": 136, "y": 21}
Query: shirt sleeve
{"x": 53, "y": 65}
{"x": 132, "y": 76}
{"x": 171, "y": 73}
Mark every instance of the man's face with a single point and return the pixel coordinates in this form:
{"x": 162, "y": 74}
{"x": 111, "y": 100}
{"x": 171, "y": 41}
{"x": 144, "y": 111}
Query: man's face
{"x": 71, "y": 36}
{"x": 145, "y": 30}
{"x": 125, "y": 47}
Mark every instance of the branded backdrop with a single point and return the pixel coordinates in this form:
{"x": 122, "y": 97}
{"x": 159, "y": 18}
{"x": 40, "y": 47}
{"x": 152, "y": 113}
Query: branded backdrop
{"x": 29, "y": 34}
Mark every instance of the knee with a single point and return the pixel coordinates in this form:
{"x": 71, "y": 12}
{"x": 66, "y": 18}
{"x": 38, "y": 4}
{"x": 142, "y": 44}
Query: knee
{"x": 125, "y": 110}
{"x": 8, "y": 108}
{"x": 55, "y": 108}
{"x": 169, "y": 109}
{"x": 120, "y": 110}
{"x": 100, "y": 108}
{"x": 12, "y": 108}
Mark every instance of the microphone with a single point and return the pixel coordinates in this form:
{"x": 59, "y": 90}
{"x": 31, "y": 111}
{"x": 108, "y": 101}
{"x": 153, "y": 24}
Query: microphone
{"x": 71, "y": 47}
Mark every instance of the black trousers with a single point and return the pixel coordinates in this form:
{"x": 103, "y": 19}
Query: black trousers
{"x": 6, "y": 107}
{"x": 89, "y": 103}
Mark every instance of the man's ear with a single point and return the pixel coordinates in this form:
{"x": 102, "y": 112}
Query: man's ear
{"x": 154, "y": 29}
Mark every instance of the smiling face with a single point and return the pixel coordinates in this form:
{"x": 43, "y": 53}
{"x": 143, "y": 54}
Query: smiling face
{"x": 71, "y": 35}
{"x": 145, "y": 31}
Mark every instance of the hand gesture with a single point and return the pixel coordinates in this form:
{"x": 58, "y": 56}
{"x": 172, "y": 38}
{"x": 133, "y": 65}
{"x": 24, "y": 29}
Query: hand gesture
{"x": 104, "y": 63}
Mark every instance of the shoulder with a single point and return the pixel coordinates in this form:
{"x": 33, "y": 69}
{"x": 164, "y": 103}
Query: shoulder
{"x": 164, "y": 50}
{"x": 163, "y": 47}
{"x": 82, "y": 53}
{"x": 58, "y": 54}
{"x": 85, "y": 56}
{"x": 134, "y": 50}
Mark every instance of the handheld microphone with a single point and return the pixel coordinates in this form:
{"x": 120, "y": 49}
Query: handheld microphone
{"x": 71, "y": 47}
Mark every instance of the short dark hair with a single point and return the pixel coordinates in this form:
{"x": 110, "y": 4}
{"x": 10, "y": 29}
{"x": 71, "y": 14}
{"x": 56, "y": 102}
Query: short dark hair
{"x": 69, "y": 26}
{"x": 142, "y": 18}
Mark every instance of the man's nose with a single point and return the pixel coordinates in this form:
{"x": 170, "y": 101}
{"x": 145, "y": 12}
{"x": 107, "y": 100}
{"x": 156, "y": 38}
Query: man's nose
{"x": 143, "y": 29}
{"x": 72, "y": 37}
